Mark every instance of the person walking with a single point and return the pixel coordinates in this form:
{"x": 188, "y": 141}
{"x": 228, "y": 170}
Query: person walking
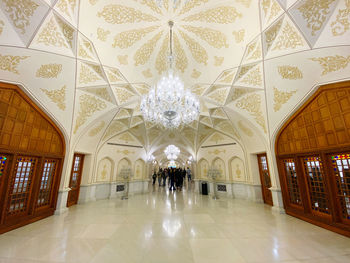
{"x": 154, "y": 177}
{"x": 165, "y": 175}
{"x": 160, "y": 176}
{"x": 189, "y": 174}
{"x": 172, "y": 179}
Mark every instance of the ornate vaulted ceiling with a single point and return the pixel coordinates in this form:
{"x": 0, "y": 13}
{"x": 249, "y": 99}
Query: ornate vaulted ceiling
{"x": 251, "y": 62}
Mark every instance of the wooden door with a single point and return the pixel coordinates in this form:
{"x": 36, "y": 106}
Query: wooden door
{"x": 265, "y": 179}
{"x": 75, "y": 179}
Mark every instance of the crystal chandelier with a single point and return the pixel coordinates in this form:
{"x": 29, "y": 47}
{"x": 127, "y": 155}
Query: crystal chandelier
{"x": 172, "y": 152}
{"x": 169, "y": 104}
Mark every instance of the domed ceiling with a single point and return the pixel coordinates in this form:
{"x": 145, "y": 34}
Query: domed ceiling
{"x": 250, "y": 62}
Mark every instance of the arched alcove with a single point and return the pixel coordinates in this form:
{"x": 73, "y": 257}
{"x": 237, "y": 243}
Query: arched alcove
{"x": 203, "y": 168}
{"x": 219, "y": 164}
{"x": 105, "y": 170}
{"x": 31, "y": 157}
{"x": 237, "y": 169}
{"x": 124, "y": 163}
{"x": 313, "y": 155}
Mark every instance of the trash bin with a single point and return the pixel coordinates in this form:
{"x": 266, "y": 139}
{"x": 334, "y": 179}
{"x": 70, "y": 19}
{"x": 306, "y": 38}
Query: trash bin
{"x": 204, "y": 188}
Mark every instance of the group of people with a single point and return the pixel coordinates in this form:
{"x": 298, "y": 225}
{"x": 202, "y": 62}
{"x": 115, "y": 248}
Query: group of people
{"x": 175, "y": 177}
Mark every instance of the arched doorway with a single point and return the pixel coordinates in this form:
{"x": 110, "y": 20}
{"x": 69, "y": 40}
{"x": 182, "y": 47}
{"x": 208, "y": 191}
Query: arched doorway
{"x": 31, "y": 155}
{"x": 313, "y": 154}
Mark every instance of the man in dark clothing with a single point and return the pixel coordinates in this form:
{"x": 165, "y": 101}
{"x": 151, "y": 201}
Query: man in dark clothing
{"x": 172, "y": 179}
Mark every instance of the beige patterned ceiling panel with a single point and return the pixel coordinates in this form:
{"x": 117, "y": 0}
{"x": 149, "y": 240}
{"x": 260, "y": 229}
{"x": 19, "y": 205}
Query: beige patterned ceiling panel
{"x": 86, "y": 50}
{"x": 8, "y": 35}
{"x": 253, "y": 78}
{"x": 68, "y": 9}
{"x": 270, "y": 10}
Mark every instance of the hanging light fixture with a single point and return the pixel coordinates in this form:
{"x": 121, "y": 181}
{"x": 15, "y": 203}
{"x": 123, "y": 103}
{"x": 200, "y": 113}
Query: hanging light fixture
{"x": 172, "y": 152}
{"x": 169, "y": 104}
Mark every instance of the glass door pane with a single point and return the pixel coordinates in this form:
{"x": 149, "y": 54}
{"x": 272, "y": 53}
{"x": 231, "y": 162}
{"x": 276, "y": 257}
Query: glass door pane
{"x": 46, "y": 182}
{"x": 341, "y": 168}
{"x": 315, "y": 178}
{"x": 21, "y": 185}
{"x": 292, "y": 182}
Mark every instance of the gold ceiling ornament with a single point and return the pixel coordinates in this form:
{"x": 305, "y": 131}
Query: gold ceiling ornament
{"x": 114, "y": 75}
{"x": 20, "y": 12}
{"x": 97, "y": 129}
{"x": 244, "y": 69}
{"x": 189, "y": 5}
{"x": 213, "y": 37}
{"x": 315, "y": 13}
{"x": 65, "y": 5}
{"x": 227, "y": 76}
{"x": 99, "y": 92}
{"x": 83, "y": 53}
{"x": 265, "y": 4}
{"x": 123, "y": 95}
{"x": 195, "y": 74}
{"x": 86, "y": 75}
{"x": 123, "y": 59}
{"x": 118, "y": 14}
{"x": 245, "y": 129}
{"x": 216, "y": 152}
{"x": 143, "y": 54}
{"x": 218, "y": 61}
{"x": 147, "y": 73}
{"x": 198, "y": 89}
{"x": 114, "y": 128}
{"x": 280, "y": 98}
{"x": 88, "y": 106}
{"x": 275, "y": 10}
{"x": 126, "y": 137}
{"x": 197, "y": 51}
{"x": 219, "y": 112}
{"x": 332, "y": 63}
{"x": 49, "y": 71}
{"x": 10, "y": 63}
{"x": 227, "y": 127}
{"x": 128, "y": 38}
{"x": 239, "y": 35}
{"x": 51, "y": 35}
{"x": 217, "y": 137}
{"x": 289, "y": 38}
{"x": 341, "y": 24}
{"x": 2, "y": 24}
{"x": 181, "y": 61}
{"x": 68, "y": 32}
{"x": 57, "y": 96}
{"x": 125, "y": 152}
{"x": 290, "y": 72}
{"x": 246, "y": 3}
{"x": 252, "y": 104}
{"x": 93, "y": 2}
{"x": 254, "y": 51}
{"x": 162, "y": 57}
{"x": 152, "y": 5}
{"x": 271, "y": 33}
{"x": 254, "y": 77}
{"x": 102, "y": 34}
{"x": 219, "y": 96}
{"x": 220, "y": 15}
{"x": 239, "y": 92}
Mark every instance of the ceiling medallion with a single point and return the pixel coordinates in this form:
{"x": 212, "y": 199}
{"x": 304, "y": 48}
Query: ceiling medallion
{"x": 172, "y": 152}
{"x": 169, "y": 104}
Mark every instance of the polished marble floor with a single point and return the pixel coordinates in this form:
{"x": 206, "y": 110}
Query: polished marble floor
{"x": 180, "y": 227}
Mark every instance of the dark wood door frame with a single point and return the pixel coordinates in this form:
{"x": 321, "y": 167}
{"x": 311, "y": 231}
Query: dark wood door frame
{"x": 266, "y": 192}
{"x": 75, "y": 192}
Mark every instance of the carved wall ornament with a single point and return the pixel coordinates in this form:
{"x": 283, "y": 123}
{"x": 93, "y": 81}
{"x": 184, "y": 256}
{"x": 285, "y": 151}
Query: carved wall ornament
{"x": 220, "y": 15}
{"x": 197, "y": 51}
{"x": 245, "y": 129}
{"x": 86, "y": 75}
{"x": 342, "y": 22}
{"x": 20, "y": 12}
{"x": 10, "y": 63}
{"x": 49, "y": 71}
{"x": 102, "y": 34}
{"x": 128, "y": 38}
{"x": 143, "y": 54}
{"x": 290, "y": 72}
{"x": 216, "y": 152}
{"x": 125, "y": 152}
{"x": 271, "y": 33}
{"x": 88, "y": 106}
{"x": 280, "y": 98}
{"x": 252, "y": 104}
{"x": 98, "y": 128}
{"x": 57, "y": 96}
{"x": 332, "y": 63}
{"x": 315, "y": 13}
{"x": 213, "y": 37}
{"x": 118, "y": 14}
{"x": 239, "y": 35}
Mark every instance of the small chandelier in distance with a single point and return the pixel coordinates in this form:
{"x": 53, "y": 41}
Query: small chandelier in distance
{"x": 169, "y": 104}
{"x": 172, "y": 152}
